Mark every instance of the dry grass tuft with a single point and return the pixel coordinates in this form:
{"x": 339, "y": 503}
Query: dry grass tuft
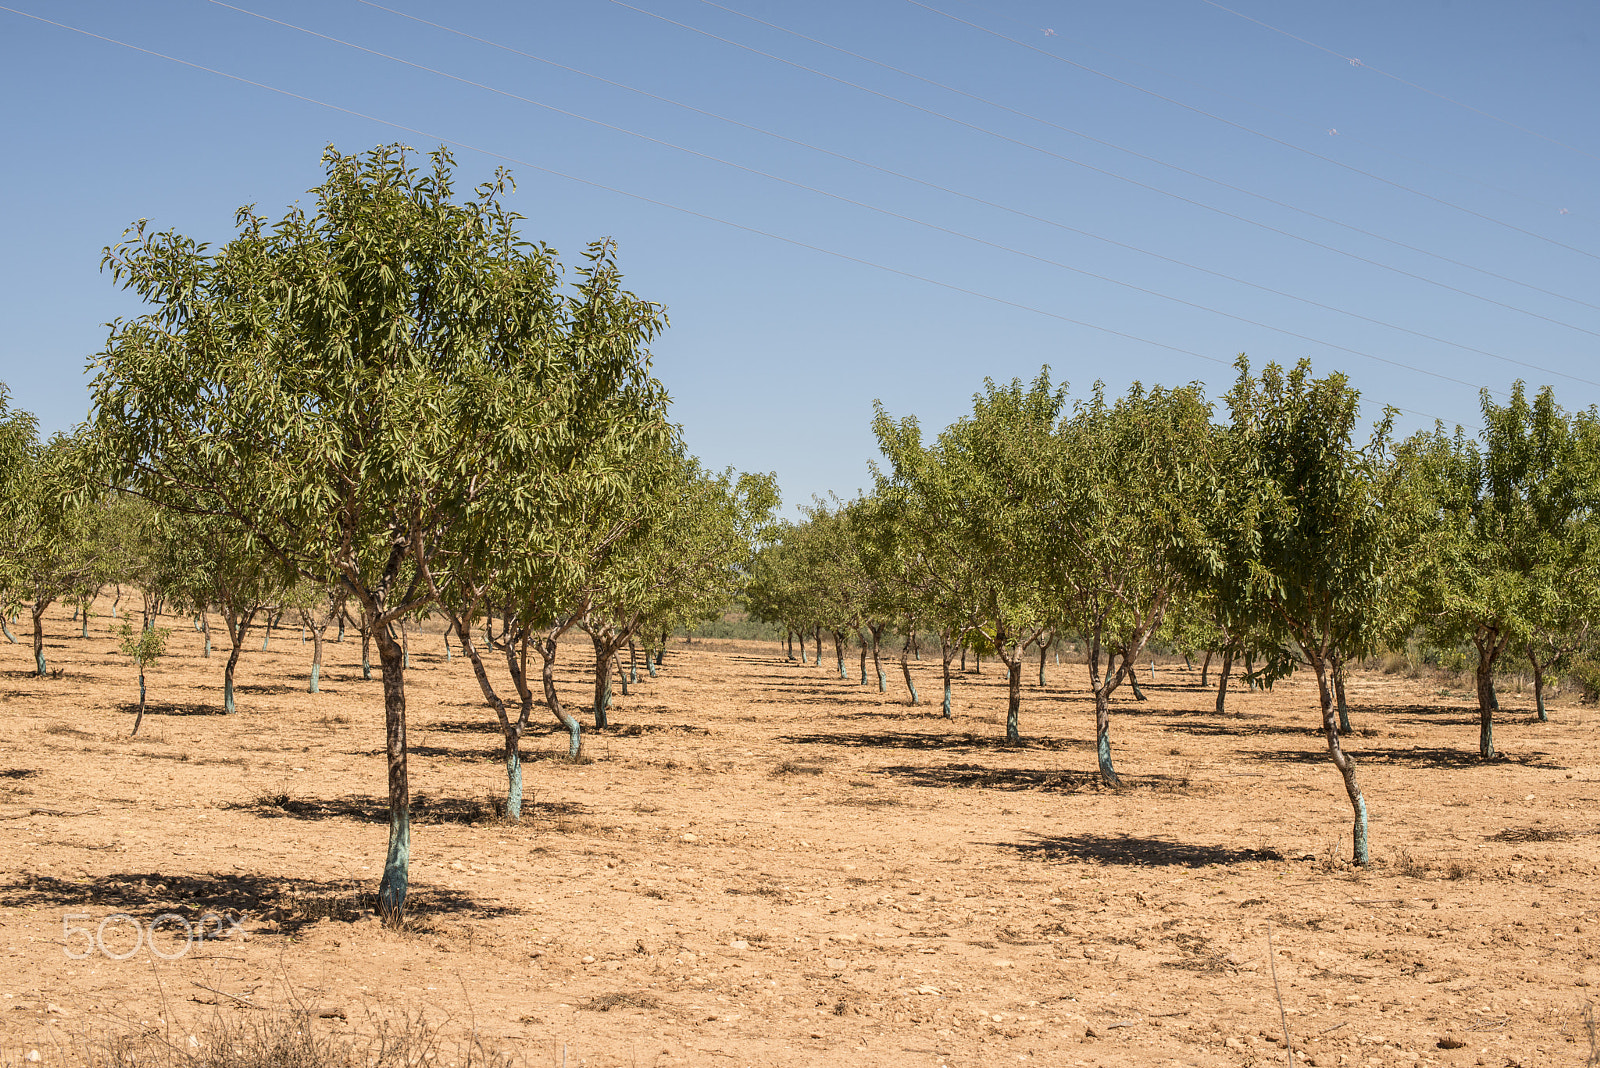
{"x": 621, "y": 999}
{"x": 796, "y": 767}
{"x": 294, "y": 1039}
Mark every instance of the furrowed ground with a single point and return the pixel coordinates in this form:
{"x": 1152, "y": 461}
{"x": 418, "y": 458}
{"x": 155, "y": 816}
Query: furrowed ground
{"x": 763, "y": 865}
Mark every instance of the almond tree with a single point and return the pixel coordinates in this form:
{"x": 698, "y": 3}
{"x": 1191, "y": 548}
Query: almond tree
{"x": 333, "y": 384}
{"x": 1514, "y": 547}
{"x": 318, "y": 607}
{"x": 18, "y": 434}
{"x": 1122, "y": 507}
{"x": 1305, "y": 531}
{"x": 686, "y": 561}
{"x": 49, "y": 540}
{"x": 971, "y": 501}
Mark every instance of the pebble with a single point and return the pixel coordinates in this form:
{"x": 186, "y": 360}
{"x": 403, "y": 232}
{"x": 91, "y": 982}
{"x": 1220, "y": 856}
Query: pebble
{"x": 739, "y": 943}
{"x": 689, "y": 836}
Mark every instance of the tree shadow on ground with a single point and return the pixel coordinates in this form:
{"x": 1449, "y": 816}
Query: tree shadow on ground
{"x": 424, "y": 809}
{"x": 152, "y": 708}
{"x": 1211, "y": 713}
{"x": 1049, "y": 780}
{"x": 1224, "y": 730}
{"x": 292, "y": 902}
{"x": 961, "y": 742}
{"x": 638, "y": 730}
{"x": 1123, "y": 849}
{"x": 18, "y": 773}
{"x": 269, "y": 689}
{"x": 1419, "y": 757}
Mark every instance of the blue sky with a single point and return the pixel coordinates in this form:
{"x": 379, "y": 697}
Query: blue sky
{"x": 1052, "y": 182}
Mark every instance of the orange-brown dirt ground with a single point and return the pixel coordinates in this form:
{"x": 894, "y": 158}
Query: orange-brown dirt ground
{"x": 763, "y": 865}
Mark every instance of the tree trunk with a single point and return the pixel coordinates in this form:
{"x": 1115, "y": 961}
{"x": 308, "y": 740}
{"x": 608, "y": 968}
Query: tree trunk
{"x": 946, "y": 653}
{"x": 41, "y": 668}
{"x": 863, "y": 638}
{"x": 905, "y": 669}
{"x": 547, "y": 652}
{"x": 622, "y": 674}
{"x": 1044, "y": 650}
{"x": 1538, "y": 686}
{"x": 1013, "y": 698}
{"x": 1338, "y": 695}
{"x": 510, "y": 732}
{"x": 650, "y": 661}
{"x": 817, "y": 634}
{"x": 205, "y": 631}
{"x": 1133, "y": 679}
{"x": 228, "y": 708}
{"x": 397, "y": 864}
{"x": 316, "y": 658}
{"x": 633, "y": 660}
{"x": 602, "y": 684}
{"x": 877, "y": 660}
{"x": 366, "y": 650}
{"x": 12, "y": 638}
{"x": 1102, "y": 687}
{"x": 1345, "y": 763}
{"x": 788, "y": 643}
{"x": 1490, "y": 644}
{"x": 1205, "y": 670}
{"x": 140, "y": 717}
{"x": 963, "y": 659}
{"x": 838, "y": 653}
{"x": 1222, "y": 680}
{"x": 405, "y": 646}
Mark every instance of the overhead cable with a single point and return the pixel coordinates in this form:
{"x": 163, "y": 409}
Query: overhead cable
{"x": 1145, "y": 185}
{"x": 952, "y": 287}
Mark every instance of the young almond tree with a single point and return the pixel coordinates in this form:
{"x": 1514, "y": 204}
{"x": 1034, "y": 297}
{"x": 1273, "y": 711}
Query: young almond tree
{"x": 1123, "y": 510}
{"x": 318, "y": 607}
{"x": 973, "y": 503}
{"x": 685, "y": 562}
{"x": 336, "y": 383}
{"x": 18, "y": 434}
{"x": 1305, "y": 532}
{"x": 144, "y": 649}
{"x": 1514, "y": 542}
{"x": 529, "y": 555}
{"x": 50, "y": 540}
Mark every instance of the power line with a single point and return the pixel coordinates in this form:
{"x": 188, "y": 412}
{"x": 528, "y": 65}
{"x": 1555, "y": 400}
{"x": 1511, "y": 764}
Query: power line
{"x": 887, "y": 212}
{"x": 1298, "y": 119}
{"x": 1359, "y": 64}
{"x": 673, "y": 207}
{"x": 920, "y": 181}
{"x": 1257, "y": 133}
{"x": 1133, "y": 181}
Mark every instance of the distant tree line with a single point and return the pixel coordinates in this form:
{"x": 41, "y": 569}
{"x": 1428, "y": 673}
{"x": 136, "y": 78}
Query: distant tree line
{"x": 1281, "y": 536}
